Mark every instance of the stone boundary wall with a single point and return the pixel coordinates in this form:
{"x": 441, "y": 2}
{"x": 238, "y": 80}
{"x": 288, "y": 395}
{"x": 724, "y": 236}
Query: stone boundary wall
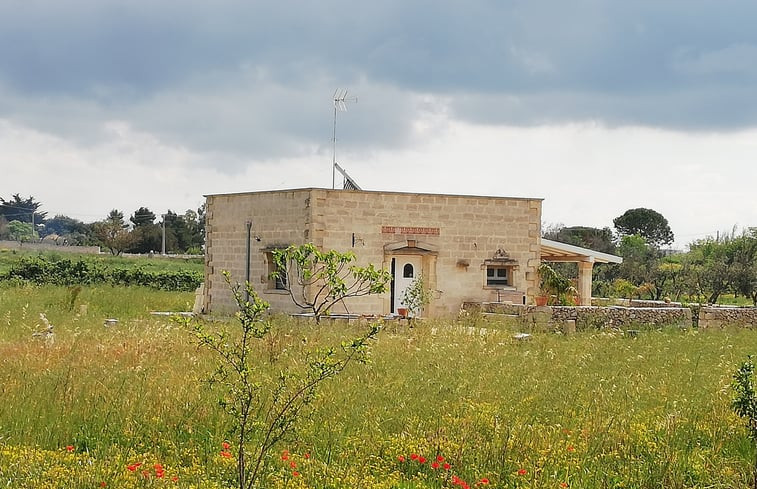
{"x": 590, "y": 317}
{"x": 605, "y": 302}
{"x": 16, "y": 245}
{"x": 718, "y": 317}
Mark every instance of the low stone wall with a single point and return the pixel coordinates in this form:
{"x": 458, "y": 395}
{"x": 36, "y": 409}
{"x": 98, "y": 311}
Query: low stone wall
{"x": 719, "y": 316}
{"x": 600, "y": 301}
{"x": 589, "y": 317}
{"x": 16, "y": 245}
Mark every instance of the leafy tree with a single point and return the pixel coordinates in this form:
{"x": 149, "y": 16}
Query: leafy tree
{"x": 20, "y": 209}
{"x": 73, "y": 230}
{"x": 263, "y": 401}
{"x": 744, "y": 404}
{"x": 317, "y": 280}
{"x": 586, "y": 237}
{"x": 113, "y": 232}
{"x": 647, "y": 223}
{"x": 146, "y": 238}
{"x": 142, "y": 217}
{"x": 21, "y": 231}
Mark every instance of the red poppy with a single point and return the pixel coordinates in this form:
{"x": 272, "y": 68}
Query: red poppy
{"x": 446, "y": 466}
{"x": 133, "y": 467}
{"x": 571, "y": 448}
{"x": 421, "y": 460}
{"x": 103, "y": 484}
{"x": 225, "y": 445}
{"x": 307, "y": 455}
{"x": 563, "y": 485}
{"x": 295, "y": 474}
{"x": 69, "y": 448}
{"x": 401, "y": 458}
{"x": 439, "y": 458}
{"x": 285, "y": 455}
{"x": 413, "y": 456}
{"x": 226, "y": 454}
{"x": 522, "y": 472}
{"x": 293, "y": 464}
{"x": 434, "y": 465}
{"x": 484, "y": 481}
{"x": 175, "y": 478}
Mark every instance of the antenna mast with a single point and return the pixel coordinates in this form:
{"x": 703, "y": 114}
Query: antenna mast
{"x": 340, "y": 105}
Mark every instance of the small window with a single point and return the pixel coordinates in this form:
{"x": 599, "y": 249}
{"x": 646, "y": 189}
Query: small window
{"x": 407, "y": 271}
{"x": 280, "y": 281}
{"x": 497, "y": 276}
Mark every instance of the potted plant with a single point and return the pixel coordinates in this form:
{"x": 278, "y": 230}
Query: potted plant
{"x": 553, "y": 286}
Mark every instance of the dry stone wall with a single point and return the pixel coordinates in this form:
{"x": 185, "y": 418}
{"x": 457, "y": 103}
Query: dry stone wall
{"x": 718, "y": 316}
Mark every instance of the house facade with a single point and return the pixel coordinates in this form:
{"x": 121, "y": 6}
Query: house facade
{"x": 464, "y": 248}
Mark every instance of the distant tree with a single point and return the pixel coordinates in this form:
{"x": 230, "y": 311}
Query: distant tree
{"x": 65, "y": 226}
{"x": 146, "y": 238}
{"x": 113, "y": 233}
{"x": 586, "y": 237}
{"x": 142, "y": 217}
{"x": 21, "y": 231}
{"x": 20, "y": 209}
{"x": 647, "y": 223}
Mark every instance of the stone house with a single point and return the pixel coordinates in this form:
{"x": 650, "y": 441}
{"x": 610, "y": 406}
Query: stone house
{"x": 465, "y": 248}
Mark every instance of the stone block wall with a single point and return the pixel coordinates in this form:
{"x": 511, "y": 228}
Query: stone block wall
{"x": 454, "y": 235}
{"x": 278, "y": 220}
{"x": 46, "y": 246}
{"x": 593, "y": 317}
{"x": 718, "y": 316}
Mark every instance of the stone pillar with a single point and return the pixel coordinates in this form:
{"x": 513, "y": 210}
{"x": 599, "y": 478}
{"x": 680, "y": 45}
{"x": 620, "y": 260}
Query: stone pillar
{"x": 584, "y": 282}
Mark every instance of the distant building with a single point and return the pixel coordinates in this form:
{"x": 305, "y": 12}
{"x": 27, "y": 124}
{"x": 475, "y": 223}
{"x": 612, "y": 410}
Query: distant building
{"x": 466, "y": 248}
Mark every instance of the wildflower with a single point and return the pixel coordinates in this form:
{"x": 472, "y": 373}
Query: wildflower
{"x": 484, "y": 481}
{"x": 446, "y": 466}
{"x": 434, "y": 465}
{"x": 401, "y": 458}
{"x": 226, "y": 454}
{"x": 522, "y": 472}
{"x": 571, "y": 448}
{"x": 439, "y": 458}
{"x": 421, "y": 460}
{"x": 295, "y": 474}
{"x": 133, "y": 467}
{"x": 226, "y": 445}
{"x": 307, "y": 455}
{"x": 413, "y": 456}
{"x": 285, "y": 455}
{"x": 293, "y": 464}
{"x": 563, "y": 485}
{"x": 69, "y": 448}
{"x": 175, "y": 478}
{"x": 146, "y": 474}
{"x": 103, "y": 484}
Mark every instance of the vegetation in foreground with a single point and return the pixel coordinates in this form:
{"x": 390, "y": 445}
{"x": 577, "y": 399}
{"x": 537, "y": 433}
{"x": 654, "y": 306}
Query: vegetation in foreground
{"x": 127, "y": 406}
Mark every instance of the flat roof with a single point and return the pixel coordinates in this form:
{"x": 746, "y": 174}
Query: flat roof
{"x": 303, "y": 189}
{"x": 556, "y": 251}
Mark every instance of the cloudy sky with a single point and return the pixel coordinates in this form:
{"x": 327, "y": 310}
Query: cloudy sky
{"x": 595, "y": 106}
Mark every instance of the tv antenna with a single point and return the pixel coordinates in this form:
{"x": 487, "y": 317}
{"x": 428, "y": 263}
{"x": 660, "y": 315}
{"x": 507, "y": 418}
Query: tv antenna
{"x": 340, "y": 105}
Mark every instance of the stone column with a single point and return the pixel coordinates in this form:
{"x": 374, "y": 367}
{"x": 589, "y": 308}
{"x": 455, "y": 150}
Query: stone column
{"x": 584, "y": 282}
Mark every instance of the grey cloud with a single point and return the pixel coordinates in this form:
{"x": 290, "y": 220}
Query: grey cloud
{"x": 253, "y": 79}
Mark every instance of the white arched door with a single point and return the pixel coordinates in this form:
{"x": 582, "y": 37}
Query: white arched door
{"x": 406, "y": 269}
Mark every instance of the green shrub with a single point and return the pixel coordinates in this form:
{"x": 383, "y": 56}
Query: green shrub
{"x": 41, "y": 270}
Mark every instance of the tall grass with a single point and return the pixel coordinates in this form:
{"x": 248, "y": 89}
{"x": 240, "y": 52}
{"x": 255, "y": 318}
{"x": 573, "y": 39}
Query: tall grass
{"x": 594, "y": 409}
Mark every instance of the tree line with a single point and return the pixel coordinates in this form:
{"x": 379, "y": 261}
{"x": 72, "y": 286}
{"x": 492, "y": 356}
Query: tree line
{"x": 22, "y": 220}
{"x": 711, "y": 268}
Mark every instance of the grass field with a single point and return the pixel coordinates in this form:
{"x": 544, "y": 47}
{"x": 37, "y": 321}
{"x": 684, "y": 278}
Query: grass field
{"x": 591, "y": 410}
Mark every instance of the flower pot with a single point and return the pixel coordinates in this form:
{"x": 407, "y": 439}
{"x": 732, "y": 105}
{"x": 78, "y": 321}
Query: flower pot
{"x": 541, "y": 300}
{"x": 402, "y": 311}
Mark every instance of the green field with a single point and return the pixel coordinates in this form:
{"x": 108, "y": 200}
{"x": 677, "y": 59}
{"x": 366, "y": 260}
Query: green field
{"x": 591, "y": 410}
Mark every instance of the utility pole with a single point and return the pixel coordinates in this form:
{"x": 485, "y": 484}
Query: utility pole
{"x": 163, "y": 245}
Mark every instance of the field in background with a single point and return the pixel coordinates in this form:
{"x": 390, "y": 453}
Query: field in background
{"x": 595, "y": 409}
{"x": 8, "y": 258}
